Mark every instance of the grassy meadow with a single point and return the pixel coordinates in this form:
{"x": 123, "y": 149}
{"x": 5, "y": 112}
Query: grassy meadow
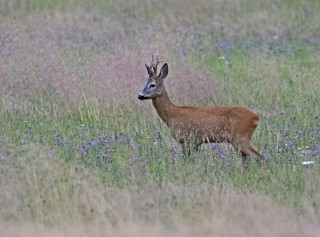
{"x": 81, "y": 155}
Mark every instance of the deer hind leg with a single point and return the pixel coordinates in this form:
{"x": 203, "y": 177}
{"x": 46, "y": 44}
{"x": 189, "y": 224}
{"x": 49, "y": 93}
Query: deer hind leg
{"x": 247, "y": 149}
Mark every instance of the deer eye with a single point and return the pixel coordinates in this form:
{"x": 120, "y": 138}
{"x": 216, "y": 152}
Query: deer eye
{"x": 152, "y": 85}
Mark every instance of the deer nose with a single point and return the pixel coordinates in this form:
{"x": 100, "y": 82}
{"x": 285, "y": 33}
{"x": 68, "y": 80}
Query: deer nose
{"x": 141, "y": 97}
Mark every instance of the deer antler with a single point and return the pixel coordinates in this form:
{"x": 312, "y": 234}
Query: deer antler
{"x": 153, "y": 65}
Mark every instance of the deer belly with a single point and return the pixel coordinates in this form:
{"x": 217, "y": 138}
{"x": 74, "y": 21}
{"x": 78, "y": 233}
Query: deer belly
{"x": 201, "y": 134}
{"x": 212, "y": 136}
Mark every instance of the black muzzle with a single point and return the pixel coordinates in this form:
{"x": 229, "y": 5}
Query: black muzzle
{"x": 141, "y": 97}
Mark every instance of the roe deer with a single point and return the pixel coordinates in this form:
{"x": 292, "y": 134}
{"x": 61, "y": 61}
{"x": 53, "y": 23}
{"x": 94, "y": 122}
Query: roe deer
{"x": 197, "y": 125}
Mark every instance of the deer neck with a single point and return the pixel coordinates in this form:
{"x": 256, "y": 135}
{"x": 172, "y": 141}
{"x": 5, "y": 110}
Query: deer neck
{"x": 164, "y": 107}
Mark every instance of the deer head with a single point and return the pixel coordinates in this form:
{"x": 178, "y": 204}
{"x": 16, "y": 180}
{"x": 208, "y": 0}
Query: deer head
{"x": 154, "y": 87}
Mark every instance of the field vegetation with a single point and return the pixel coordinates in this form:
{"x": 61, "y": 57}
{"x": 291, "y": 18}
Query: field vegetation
{"x": 81, "y": 155}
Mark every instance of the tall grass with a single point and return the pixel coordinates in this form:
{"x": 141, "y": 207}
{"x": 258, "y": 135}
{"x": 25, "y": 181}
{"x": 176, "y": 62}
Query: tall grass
{"x": 80, "y": 154}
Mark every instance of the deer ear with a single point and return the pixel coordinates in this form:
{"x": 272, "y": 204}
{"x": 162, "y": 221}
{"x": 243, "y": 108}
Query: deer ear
{"x": 164, "y": 71}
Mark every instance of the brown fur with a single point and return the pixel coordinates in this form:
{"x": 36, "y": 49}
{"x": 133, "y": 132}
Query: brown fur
{"x": 196, "y": 125}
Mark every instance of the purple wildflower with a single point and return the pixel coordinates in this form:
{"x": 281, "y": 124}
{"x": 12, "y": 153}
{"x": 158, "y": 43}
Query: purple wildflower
{"x": 214, "y": 146}
{"x": 225, "y": 45}
{"x": 265, "y": 156}
{"x": 292, "y": 143}
{"x": 119, "y": 140}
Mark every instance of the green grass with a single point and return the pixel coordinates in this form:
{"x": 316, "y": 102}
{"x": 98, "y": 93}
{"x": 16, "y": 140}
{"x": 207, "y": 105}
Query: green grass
{"x": 136, "y": 151}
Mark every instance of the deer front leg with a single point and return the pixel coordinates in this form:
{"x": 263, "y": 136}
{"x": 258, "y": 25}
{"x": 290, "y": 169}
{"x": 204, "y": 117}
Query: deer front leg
{"x": 185, "y": 145}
